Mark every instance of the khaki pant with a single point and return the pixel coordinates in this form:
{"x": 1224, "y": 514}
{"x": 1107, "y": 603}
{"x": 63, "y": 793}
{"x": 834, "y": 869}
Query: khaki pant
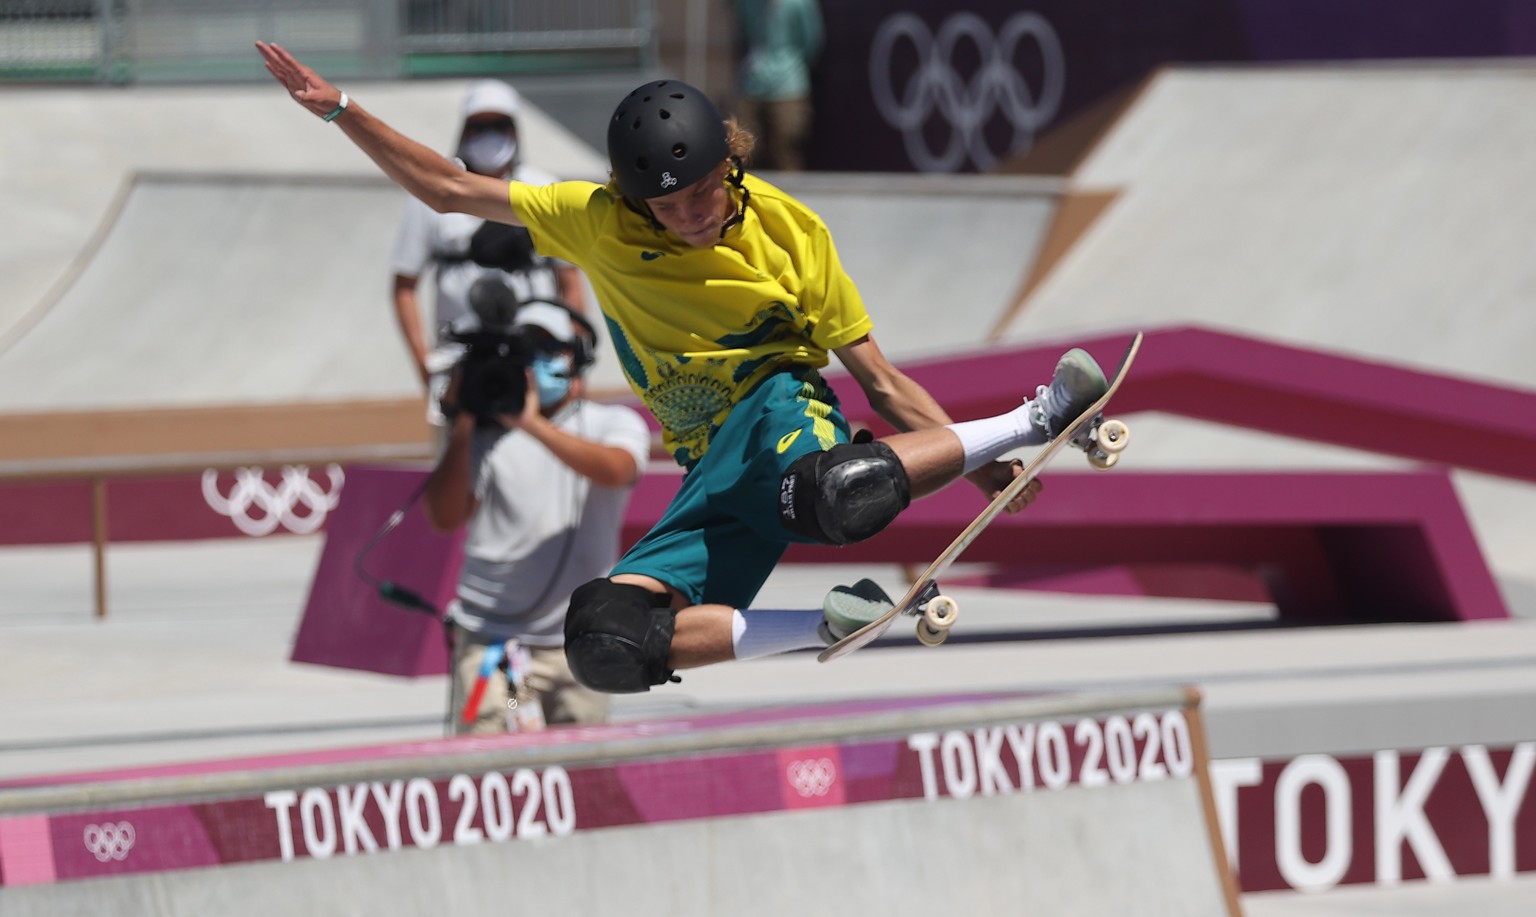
{"x": 548, "y": 680}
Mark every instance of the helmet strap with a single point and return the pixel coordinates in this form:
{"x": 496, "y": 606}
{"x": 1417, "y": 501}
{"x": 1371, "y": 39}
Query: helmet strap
{"x": 734, "y": 177}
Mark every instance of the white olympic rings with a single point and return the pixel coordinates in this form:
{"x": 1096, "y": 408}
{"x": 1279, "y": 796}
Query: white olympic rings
{"x": 812, "y": 777}
{"x": 934, "y": 88}
{"x": 110, "y": 841}
{"x": 277, "y": 505}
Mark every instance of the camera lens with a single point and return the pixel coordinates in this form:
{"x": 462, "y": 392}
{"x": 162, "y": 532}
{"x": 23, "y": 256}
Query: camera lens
{"x": 494, "y": 378}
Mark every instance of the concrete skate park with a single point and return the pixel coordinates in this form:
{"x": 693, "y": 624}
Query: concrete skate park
{"x": 1322, "y": 527}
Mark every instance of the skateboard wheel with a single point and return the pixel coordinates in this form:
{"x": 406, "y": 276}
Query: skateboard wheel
{"x": 1114, "y": 436}
{"x": 928, "y": 636}
{"x": 1103, "y": 460}
{"x": 940, "y": 612}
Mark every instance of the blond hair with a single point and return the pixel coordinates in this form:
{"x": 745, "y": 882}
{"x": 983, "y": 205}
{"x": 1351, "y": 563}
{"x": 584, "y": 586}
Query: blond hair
{"x": 739, "y": 140}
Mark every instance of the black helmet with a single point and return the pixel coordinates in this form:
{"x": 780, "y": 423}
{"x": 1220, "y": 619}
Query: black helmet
{"x": 664, "y": 136}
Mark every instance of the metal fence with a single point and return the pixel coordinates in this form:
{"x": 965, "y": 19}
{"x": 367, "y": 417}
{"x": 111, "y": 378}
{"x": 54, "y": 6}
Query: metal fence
{"x": 54, "y": 39}
{"x": 193, "y": 40}
{"x": 526, "y": 25}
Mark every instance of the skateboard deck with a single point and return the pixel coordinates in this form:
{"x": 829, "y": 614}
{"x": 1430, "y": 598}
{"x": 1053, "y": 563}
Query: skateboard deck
{"x": 937, "y": 612}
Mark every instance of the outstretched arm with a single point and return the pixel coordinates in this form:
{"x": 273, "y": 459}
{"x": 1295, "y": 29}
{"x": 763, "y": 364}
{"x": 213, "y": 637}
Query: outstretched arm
{"x": 438, "y": 182}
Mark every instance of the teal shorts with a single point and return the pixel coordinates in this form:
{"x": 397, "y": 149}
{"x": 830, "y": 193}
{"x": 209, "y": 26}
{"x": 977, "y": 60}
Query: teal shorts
{"x": 721, "y": 536}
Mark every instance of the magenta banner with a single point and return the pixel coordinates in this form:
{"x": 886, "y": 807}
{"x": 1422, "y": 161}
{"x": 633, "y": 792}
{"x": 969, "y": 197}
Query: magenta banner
{"x": 251, "y": 501}
{"x": 1316, "y": 821}
{"x": 497, "y": 806}
{"x": 932, "y": 86}
{"x": 1311, "y": 821}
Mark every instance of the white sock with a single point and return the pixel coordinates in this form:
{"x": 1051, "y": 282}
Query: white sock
{"x": 767, "y": 633}
{"x": 986, "y": 439}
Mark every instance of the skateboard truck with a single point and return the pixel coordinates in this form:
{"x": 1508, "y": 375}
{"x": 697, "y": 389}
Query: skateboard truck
{"x": 1103, "y": 441}
{"x": 938, "y": 613}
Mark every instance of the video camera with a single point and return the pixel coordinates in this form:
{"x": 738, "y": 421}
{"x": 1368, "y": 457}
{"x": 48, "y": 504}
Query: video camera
{"x": 497, "y": 355}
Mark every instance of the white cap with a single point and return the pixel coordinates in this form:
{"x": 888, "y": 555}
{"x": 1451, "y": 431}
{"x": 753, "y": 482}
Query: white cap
{"x": 490, "y": 97}
{"x": 553, "y": 319}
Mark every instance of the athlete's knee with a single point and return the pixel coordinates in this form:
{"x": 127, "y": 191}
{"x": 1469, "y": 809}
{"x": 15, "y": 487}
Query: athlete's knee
{"x": 618, "y": 637}
{"x": 845, "y": 494}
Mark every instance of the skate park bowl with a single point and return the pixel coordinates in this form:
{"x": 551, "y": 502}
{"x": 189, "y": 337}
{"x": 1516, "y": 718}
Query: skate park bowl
{"x": 1069, "y": 805}
{"x": 1397, "y": 753}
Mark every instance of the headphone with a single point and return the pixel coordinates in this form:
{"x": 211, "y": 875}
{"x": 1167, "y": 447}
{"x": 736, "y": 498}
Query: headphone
{"x": 584, "y": 347}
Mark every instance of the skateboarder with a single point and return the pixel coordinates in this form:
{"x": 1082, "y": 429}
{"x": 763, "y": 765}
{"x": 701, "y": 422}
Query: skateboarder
{"x": 724, "y": 297}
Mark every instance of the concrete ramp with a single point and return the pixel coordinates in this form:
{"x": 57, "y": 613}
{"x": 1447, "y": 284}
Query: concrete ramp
{"x": 250, "y": 289}
{"x": 1379, "y": 211}
{"x": 937, "y": 259}
{"x": 1375, "y": 212}
{"x": 1068, "y": 805}
{"x": 216, "y": 314}
{"x": 67, "y": 151}
{"x": 223, "y": 290}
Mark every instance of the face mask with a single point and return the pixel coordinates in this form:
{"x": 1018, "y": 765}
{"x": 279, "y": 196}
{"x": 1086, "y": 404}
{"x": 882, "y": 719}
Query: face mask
{"x": 552, "y": 376}
{"x": 488, "y": 152}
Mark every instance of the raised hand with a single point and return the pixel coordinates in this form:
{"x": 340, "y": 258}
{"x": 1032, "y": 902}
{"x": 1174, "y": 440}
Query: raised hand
{"x": 305, "y": 85}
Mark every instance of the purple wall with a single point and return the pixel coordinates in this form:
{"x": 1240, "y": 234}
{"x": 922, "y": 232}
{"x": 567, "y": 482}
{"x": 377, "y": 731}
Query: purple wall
{"x": 931, "y": 86}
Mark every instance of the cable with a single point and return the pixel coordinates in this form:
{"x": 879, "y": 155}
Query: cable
{"x": 396, "y": 594}
{"x": 387, "y": 590}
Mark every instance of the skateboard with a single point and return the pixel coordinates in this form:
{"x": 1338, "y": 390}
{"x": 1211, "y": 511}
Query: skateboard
{"x": 1104, "y": 441}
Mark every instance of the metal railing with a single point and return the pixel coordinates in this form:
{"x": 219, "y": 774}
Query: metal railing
{"x": 525, "y": 25}
{"x": 55, "y": 39}
{"x": 198, "y": 40}
{"x": 98, "y": 473}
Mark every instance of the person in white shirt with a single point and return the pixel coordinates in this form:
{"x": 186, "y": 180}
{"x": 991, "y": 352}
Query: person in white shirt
{"x": 461, "y": 249}
{"x": 543, "y": 492}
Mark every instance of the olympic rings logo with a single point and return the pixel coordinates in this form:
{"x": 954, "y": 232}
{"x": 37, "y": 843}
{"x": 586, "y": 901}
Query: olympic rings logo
{"x": 934, "y": 88}
{"x": 111, "y": 841}
{"x": 274, "y": 505}
{"x": 812, "y": 777}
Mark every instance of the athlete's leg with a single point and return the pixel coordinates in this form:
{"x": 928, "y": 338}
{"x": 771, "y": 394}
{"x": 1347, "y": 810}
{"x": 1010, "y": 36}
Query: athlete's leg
{"x": 719, "y": 539}
{"x": 700, "y": 558}
{"x": 934, "y": 458}
{"x": 706, "y": 574}
{"x": 701, "y": 634}
{"x": 706, "y": 634}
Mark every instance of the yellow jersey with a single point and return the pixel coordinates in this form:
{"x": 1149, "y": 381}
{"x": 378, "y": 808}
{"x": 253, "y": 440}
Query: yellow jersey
{"x": 696, "y": 329}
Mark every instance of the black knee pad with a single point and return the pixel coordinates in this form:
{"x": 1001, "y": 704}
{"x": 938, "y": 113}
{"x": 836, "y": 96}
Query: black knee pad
{"x": 618, "y": 637}
{"x": 845, "y": 494}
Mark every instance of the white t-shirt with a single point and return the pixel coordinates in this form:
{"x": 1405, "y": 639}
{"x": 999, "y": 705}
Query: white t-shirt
{"x": 541, "y": 529}
{"x": 441, "y": 240}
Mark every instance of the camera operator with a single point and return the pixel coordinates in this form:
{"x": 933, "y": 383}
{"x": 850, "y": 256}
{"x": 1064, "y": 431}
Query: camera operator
{"x": 461, "y": 249}
{"x": 542, "y": 477}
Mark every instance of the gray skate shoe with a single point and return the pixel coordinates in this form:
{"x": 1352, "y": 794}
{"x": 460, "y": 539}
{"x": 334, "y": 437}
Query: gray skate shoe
{"x": 1078, "y": 382}
{"x": 848, "y": 608}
